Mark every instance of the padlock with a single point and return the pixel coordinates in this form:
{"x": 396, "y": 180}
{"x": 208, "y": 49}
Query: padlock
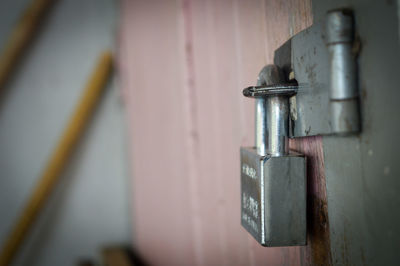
{"x": 273, "y": 179}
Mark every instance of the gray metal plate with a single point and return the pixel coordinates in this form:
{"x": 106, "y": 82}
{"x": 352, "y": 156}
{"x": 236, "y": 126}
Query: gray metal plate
{"x": 307, "y": 55}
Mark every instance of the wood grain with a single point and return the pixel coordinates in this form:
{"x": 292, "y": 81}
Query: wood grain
{"x": 317, "y": 251}
{"x": 183, "y": 66}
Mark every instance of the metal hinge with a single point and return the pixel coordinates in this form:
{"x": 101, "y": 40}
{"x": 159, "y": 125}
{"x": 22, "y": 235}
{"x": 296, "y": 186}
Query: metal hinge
{"x": 319, "y": 63}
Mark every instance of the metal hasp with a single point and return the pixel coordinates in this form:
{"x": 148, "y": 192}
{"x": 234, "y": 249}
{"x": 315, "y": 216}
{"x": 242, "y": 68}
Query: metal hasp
{"x": 273, "y": 179}
{"x": 323, "y": 59}
{"x": 310, "y": 90}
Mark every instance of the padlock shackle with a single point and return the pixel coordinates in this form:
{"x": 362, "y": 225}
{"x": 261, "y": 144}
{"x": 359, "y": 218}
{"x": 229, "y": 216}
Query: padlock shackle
{"x": 272, "y": 111}
{"x": 277, "y": 121}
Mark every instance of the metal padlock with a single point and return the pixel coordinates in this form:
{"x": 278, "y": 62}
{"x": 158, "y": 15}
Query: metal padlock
{"x": 273, "y": 179}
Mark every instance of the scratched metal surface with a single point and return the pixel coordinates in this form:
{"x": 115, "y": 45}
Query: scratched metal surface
{"x": 307, "y": 56}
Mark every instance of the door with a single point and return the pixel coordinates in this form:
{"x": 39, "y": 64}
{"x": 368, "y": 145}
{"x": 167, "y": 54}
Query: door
{"x": 183, "y": 65}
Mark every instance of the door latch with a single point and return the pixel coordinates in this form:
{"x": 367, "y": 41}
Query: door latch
{"x": 310, "y": 90}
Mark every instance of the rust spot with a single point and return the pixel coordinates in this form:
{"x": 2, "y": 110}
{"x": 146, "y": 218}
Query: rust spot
{"x": 318, "y": 231}
{"x": 317, "y": 251}
{"x": 364, "y": 94}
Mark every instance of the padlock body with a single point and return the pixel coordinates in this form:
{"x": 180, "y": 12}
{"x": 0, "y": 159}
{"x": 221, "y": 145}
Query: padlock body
{"x": 273, "y": 198}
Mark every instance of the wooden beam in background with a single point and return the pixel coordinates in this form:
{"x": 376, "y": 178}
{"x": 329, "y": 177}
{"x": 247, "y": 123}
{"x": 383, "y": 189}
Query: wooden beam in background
{"x": 20, "y": 37}
{"x": 59, "y": 159}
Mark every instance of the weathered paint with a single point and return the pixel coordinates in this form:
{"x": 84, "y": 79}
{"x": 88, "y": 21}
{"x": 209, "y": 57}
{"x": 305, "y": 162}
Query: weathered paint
{"x": 183, "y": 66}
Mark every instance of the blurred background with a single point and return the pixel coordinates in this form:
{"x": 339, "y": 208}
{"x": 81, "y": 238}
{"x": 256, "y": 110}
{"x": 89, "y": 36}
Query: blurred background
{"x": 121, "y": 123}
{"x": 90, "y": 206}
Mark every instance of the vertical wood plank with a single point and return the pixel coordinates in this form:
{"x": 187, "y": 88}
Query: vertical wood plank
{"x": 153, "y": 56}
